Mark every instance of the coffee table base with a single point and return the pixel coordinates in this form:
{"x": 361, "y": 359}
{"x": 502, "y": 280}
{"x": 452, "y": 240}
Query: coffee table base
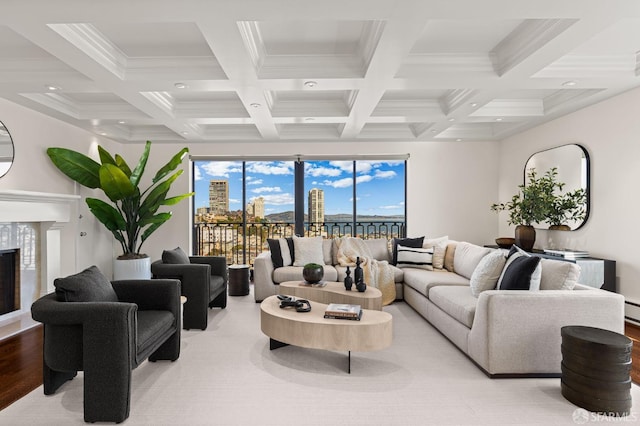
{"x": 276, "y": 344}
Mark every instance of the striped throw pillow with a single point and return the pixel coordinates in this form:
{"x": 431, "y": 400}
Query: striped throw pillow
{"x": 410, "y": 257}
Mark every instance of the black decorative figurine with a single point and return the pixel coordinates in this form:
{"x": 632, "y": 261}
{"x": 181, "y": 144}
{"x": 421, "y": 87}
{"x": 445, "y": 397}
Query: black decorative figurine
{"x": 357, "y": 273}
{"x": 348, "y": 281}
{"x": 361, "y": 286}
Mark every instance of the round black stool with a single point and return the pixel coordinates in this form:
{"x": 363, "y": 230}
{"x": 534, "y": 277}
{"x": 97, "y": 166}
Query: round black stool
{"x": 238, "y": 280}
{"x": 596, "y": 367}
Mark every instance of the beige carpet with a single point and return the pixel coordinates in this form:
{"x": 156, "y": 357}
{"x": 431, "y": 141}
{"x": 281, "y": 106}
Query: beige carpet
{"x": 226, "y": 375}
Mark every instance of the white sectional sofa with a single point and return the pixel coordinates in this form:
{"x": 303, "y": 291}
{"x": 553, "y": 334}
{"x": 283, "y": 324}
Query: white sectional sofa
{"x": 507, "y": 333}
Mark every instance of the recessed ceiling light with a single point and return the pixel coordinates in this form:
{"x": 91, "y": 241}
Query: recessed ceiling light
{"x": 475, "y": 104}
{"x": 499, "y": 119}
{"x": 459, "y": 140}
{"x": 185, "y": 133}
{"x": 452, "y": 119}
{"x": 103, "y": 133}
{"x": 570, "y": 83}
{"x": 255, "y": 105}
{"x": 310, "y": 83}
{"x": 180, "y": 86}
{"x": 52, "y": 87}
{"x": 121, "y": 122}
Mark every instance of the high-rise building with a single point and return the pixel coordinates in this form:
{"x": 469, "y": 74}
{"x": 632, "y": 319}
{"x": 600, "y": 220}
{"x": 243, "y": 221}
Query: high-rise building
{"x": 256, "y": 208}
{"x": 219, "y": 197}
{"x": 316, "y": 205}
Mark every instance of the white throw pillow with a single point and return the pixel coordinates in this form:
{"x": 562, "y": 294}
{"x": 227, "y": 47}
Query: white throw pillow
{"x": 485, "y": 276}
{"x": 307, "y": 250}
{"x": 559, "y": 275}
{"x": 409, "y": 257}
{"x": 439, "y": 248}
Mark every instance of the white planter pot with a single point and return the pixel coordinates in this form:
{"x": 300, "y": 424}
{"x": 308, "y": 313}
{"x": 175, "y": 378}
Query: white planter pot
{"x": 132, "y": 269}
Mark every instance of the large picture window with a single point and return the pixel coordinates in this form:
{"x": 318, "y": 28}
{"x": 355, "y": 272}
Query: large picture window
{"x": 239, "y": 204}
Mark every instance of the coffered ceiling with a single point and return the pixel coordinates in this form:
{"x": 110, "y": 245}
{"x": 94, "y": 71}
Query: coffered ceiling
{"x": 303, "y": 71}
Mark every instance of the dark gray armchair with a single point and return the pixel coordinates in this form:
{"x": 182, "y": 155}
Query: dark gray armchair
{"x": 204, "y": 283}
{"x": 106, "y": 336}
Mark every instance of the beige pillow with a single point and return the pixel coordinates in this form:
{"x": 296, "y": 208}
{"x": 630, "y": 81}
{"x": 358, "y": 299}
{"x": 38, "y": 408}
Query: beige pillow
{"x": 307, "y": 250}
{"x": 449, "y": 255}
{"x": 327, "y": 248}
{"x": 467, "y": 258}
{"x": 485, "y": 276}
{"x": 439, "y": 249}
{"x": 558, "y": 275}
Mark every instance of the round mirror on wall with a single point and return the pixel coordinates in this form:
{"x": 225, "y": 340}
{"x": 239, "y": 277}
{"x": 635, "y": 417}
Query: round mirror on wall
{"x": 6, "y": 150}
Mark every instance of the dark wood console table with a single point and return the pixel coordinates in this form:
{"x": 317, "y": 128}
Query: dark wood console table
{"x": 594, "y": 272}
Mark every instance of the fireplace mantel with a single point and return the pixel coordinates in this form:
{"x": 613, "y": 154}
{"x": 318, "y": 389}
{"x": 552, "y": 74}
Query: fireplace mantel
{"x": 28, "y": 206}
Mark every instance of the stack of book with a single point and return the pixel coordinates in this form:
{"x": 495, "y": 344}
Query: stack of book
{"x": 343, "y": 311}
{"x": 567, "y": 254}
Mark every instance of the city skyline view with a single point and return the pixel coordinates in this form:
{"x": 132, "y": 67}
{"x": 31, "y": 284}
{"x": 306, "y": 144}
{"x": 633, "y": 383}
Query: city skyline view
{"x": 379, "y": 185}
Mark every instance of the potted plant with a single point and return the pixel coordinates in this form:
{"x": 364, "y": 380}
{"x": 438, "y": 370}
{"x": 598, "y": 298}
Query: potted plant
{"x": 132, "y": 216}
{"x": 567, "y": 207}
{"x": 528, "y": 206}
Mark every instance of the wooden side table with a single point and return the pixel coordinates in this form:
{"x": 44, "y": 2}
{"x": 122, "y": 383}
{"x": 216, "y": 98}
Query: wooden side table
{"x": 596, "y": 367}
{"x": 238, "y": 280}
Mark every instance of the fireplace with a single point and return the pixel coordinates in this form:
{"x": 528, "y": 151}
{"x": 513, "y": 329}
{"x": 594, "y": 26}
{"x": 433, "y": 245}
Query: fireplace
{"x": 9, "y": 281}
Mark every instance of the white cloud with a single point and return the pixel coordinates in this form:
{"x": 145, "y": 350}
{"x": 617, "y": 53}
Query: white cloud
{"x": 197, "y": 174}
{"x": 357, "y": 199}
{"x": 266, "y": 189}
{"x": 278, "y": 199}
{"x": 386, "y": 174}
{"x": 392, "y": 207}
{"x": 253, "y": 181}
{"x": 234, "y": 201}
{"x": 222, "y": 168}
{"x": 270, "y": 167}
{"x": 347, "y": 182}
{"x": 316, "y": 171}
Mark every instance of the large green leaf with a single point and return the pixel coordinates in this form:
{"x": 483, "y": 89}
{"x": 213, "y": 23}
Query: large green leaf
{"x": 115, "y": 183}
{"x": 175, "y": 200}
{"x": 78, "y": 167}
{"x": 105, "y": 157}
{"x": 171, "y": 165}
{"x": 157, "y": 196}
{"x": 123, "y": 165}
{"x": 142, "y": 163}
{"x": 107, "y": 215}
{"x": 158, "y": 218}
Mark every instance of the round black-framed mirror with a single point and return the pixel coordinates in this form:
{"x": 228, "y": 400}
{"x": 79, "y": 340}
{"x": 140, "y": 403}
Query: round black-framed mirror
{"x": 7, "y": 151}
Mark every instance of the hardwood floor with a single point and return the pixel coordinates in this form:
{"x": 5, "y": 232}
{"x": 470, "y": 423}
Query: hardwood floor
{"x": 21, "y": 362}
{"x": 20, "y": 365}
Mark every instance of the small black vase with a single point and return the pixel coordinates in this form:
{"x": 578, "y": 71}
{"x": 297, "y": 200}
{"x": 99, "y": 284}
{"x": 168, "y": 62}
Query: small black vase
{"x": 348, "y": 281}
{"x": 361, "y": 286}
{"x": 358, "y": 272}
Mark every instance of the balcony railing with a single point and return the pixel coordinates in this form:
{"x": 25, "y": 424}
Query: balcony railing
{"x": 242, "y": 243}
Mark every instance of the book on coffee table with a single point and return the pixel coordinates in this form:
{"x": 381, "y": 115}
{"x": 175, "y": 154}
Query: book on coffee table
{"x": 343, "y": 311}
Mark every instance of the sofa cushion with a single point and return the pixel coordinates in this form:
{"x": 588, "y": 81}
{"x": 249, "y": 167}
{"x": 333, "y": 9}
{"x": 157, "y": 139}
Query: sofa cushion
{"x": 86, "y": 286}
{"x": 422, "y": 280}
{"x": 281, "y": 251}
{"x": 294, "y": 273}
{"x": 151, "y": 325}
{"x": 487, "y": 273}
{"x": 558, "y": 275}
{"x": 521, "y": 271}
{"x": 456, "y": 301}
{"x": 177, "y": 256}
{"x": 327, "y": 247}
{"x": 407, "y": 242}
{"x": 467, "y": 257}
{"x": 307, "y": 250}
{"x": 439, "y": 249}
{"x": 449, "y": 255}
{"x": 408, "y": 257}
{"x": 379, "y": 248}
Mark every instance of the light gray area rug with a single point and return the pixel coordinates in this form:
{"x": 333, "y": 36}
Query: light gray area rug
{"x": 227, "y": 375}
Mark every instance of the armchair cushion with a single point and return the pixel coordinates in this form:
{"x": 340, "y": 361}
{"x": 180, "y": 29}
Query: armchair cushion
{"x": 176, "y": 256}
{"x": 86, "y": 286}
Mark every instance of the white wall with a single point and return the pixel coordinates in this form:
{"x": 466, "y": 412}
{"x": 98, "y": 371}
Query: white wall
{"x": 610, "y": 131}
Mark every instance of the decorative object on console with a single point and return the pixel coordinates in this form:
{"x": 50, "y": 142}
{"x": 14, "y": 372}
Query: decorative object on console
{"x": 505, "y": 242}
{"x": 312, "y": 273}
{"x": 133, "y": 214}
{"x": 567, "y": 253}
{"x": 348, "y": 281}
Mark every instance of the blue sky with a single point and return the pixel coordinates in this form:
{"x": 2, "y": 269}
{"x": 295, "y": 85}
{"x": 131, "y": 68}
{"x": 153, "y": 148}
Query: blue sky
{"x": 380, "y": 184}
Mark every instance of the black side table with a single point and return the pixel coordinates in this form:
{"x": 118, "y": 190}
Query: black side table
{"x": 596, "y": 367}
{"x": 238, "y": 280}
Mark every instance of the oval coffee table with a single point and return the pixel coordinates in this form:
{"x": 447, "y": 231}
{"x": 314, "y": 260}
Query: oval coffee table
{"x": 312, "y": 330}
{"x": 333, "y": 292}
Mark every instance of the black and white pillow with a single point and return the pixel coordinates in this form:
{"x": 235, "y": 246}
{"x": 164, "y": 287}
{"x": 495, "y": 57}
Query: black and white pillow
{"x": 414, "y": 257}
{"x": 521, "y": 271}
{"x": 406, "y": 242}
{"x": 282, "y": 253}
